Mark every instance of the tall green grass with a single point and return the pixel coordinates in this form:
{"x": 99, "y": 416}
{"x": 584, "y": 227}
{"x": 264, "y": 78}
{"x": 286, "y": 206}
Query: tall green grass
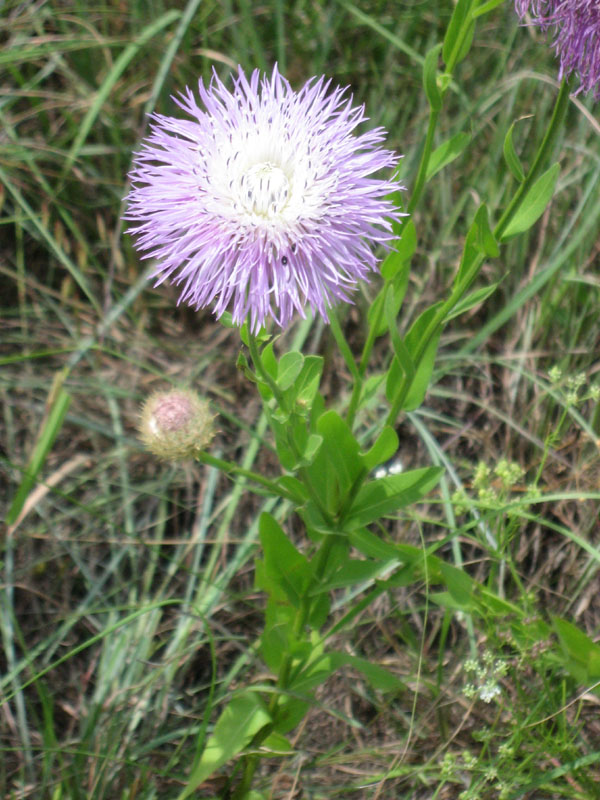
{"x": 127, "y": 607}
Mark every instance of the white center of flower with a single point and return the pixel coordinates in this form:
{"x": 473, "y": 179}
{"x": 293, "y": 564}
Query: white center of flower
{"x": 264, "y": 189}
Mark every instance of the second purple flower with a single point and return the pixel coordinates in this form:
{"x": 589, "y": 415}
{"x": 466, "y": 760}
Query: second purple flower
{"x": 264, "y": 201}
{"x": 575, "y": 25}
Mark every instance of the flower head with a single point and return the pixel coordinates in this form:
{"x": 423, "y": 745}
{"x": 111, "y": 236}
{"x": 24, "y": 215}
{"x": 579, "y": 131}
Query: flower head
{"x": 575, "y": 26}
{"x": 176, "y": 424}
{"x": 262, "y": 202}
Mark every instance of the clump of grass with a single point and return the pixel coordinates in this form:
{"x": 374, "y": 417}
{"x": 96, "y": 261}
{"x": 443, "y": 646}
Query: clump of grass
{"x": 128, "y": 611}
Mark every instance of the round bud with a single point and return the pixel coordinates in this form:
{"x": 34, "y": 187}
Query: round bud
{"x": 176, "y": 425}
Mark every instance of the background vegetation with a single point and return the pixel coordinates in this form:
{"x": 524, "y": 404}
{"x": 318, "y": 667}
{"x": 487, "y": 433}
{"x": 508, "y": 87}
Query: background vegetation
{"x": 127, "y": 606}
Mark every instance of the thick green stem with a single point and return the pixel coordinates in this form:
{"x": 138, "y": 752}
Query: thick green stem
{"x": 251, "y": 761}
{"x": 300, "y": 620}
{"x": 281, "y": 402}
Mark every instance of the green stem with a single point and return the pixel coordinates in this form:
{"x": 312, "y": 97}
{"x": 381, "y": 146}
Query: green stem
{"x": 258, "y": 366}
{"x": 364, "y": 359}
{"x": 424, "y": 162}
{"x": 420, "y": 181}
{"x": 281, "y": 402}
{"x": 544, "y": 151}
{"x": 300, "y": 620}
{"x": 542, "y": 155}
{"x": 230, "y": 468}
{"x": 342, "y": 344}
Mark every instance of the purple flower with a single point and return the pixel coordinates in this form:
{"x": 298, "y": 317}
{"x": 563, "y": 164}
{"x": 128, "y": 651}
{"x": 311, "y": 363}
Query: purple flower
{"x": 264, "y": 200}
{"x": 575, "y": 26}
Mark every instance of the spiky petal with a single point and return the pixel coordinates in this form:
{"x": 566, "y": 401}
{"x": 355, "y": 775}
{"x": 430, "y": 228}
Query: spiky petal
{"x": 263, "y": 202}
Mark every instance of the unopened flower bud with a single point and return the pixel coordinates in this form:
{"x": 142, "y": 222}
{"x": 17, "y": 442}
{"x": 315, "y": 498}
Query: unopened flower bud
{"x": 176, "y": 424}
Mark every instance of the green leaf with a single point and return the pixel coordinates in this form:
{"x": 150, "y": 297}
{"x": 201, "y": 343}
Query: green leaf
{"x": 459, "y": 34}
{"x": 480, "y": 241}
{"x": 291, "y": 711}
{"x": 446, "y": 153}
{"x": 375, "y": 312}
{"x": 276, "y": 638}
{"x": 307, "y": 382}
{"x": 486, "y": 7}
{"x": 403, "y": 252}
{"x": 386, "y": 495}
{"x": 486, "y": 240}
{"x": 269, "y": 361}
{"x": 459, "y": 584}
{"x": 492, "y": 604}
{"x": 402, "y": 369}
{"x": 313, "y": 674}
{"x": 285, "y": 453}
{"x": 313, "y": 444}
{"x": 582, "y": 654}
{"x": 261, "y": 337}
{"x": 384, "y": 447}
{"x": 242, "y": 719}
{"x": 292, "y": 438}
{"x": 318, "y": 671}
{"x": 337, "y": 464}
{"x": 290, "y": 366}
{"x": 226, "y": 319}
{"x": 510, "y": 156}
{"x": 372, "y": 546}
{"x": 471, "y": 300}
{"x": 430, "y": 78}
{"x": 294, "y": 487}
{"x": 371, "y": 386}
{"x": 278, "y": 744}
{"x": 354, "y": 572}
{"x": 286, "y": 573}
{"x": 396, "y": 271}
{"x": 420, "y": 381}
{"x": 319, "y": 611}
{"x": 534, "y": 203}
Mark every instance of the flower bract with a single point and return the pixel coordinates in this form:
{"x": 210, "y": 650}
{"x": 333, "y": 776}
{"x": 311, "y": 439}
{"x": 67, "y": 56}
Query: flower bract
{"x": 264, "y": 201}
{"x": 575, "y": 25}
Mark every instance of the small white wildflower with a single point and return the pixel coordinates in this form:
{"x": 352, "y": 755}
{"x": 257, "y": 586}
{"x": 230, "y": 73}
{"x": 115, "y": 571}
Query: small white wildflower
{"x": 571, "y": 398}
{"x": 489, "y": 691}
{"x": 481, "y": 475}
{"x": 555, "y": 374}
{"x": 448, "y": 765}
{"x": 491, "y": 774}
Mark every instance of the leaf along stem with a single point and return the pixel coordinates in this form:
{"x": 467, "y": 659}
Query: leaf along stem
{"x": 541, "y": 156}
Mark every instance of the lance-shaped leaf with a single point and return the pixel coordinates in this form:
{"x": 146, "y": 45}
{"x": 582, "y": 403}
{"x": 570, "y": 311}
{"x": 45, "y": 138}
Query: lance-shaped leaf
{"x": 534, "y": 203}
{"x": 242, "y": 719}
{"x": 386, "y": 495}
